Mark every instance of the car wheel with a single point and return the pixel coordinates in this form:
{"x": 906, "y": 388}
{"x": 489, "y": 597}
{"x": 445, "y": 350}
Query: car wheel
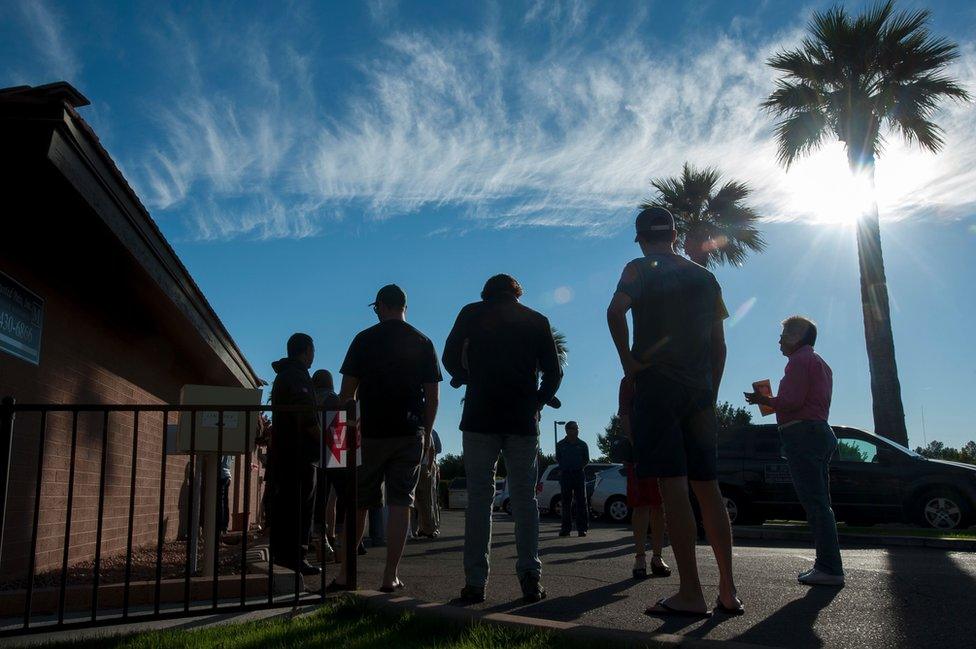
{"x": 556, "y": 506}
{"x": 507, "y": 506}
{"x": 616, "y": 510}
{"x": 732, "y": 508}
{"x": 942, "y": 509}
{"x": 740, "y": 510}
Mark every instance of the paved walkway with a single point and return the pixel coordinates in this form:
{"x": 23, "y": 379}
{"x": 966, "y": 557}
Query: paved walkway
{"x": 895, "y": 597}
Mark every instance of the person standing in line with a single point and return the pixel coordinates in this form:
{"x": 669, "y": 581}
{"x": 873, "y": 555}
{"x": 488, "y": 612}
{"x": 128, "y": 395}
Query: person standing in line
{"x": 643, "y": 498}
{"x": 428, "y": 509}
{"x": 329, "y": 481}
{"x": 677, "y": 361}
{"x": 226, "y": 474}
{"x": 294, "y": 454}
{"x": 392, "y": 368}
{"x": 802, "y": 406}
{"x": 572, "y": 456}
{"x": 498, "y": 348}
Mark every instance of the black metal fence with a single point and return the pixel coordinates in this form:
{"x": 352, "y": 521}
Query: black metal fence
{"x": 159, "y": 609}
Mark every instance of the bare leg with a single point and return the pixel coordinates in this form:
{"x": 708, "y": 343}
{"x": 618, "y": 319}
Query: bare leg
{"x": 715, "y": 519}
{"x": 639, "y": 520}
{"x": 330, "y": 513}
{"x": 657, "y": 530}
{"x": 681, "y": 526}
{"x": 396, "y": 537}
{"x": 342, "y": 578}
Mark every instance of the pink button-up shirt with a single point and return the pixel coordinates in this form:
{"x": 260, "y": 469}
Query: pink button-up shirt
{"x": 805, "y": 390}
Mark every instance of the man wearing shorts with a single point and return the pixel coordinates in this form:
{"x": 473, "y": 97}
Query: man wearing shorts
{"x": 677, "y": 360}
{"x": 393, "y": 370}
{"x": 644, "y": 500}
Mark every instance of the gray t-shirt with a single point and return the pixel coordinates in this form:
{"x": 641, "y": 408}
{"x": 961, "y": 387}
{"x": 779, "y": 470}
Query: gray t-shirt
{"x": 676, "y": 303}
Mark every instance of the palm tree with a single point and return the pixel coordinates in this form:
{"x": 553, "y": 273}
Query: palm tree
{"x": 714, "y": 226}
{"x": 854, "y": 77}
{"x": 562, "y": 351}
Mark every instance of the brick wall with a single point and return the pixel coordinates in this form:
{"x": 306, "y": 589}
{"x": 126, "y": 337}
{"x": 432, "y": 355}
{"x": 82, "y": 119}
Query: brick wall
{"x": 97, "y": 350}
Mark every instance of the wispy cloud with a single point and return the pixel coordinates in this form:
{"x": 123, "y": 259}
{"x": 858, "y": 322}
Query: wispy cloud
{"x": 44, "y": 27}
{"x": 510, "y": 137}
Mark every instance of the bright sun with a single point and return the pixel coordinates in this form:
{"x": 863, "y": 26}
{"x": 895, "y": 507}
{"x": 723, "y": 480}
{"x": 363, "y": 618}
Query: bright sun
{"x": 822, "y": 187}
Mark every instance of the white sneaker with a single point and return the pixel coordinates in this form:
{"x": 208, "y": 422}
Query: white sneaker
{"x": 819, "y": 578}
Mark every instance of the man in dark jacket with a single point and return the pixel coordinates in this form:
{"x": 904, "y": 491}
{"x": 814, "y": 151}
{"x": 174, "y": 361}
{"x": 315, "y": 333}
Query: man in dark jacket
{"x": 497, "y": 348}
{"x": 572, "y": 456}
{"x": 294, "y": 451}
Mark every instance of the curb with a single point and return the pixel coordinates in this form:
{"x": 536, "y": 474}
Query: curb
{"x": 958, "y": 545}
{"x": 584, "y": 634}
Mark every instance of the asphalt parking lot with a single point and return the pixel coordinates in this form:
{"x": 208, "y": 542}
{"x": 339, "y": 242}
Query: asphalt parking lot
{"x": 895, "y": 596}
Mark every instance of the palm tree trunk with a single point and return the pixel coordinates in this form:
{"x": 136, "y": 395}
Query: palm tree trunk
{"x": 889, "y": 413}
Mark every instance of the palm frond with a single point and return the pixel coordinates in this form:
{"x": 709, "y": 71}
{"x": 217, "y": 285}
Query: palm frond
{"x": 798, "y": 134}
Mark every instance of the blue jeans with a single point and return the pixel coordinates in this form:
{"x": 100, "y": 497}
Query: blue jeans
{"x": 521, "y": 454}
{"x": 572, "y": 487}
{"x": 807, "y": 447}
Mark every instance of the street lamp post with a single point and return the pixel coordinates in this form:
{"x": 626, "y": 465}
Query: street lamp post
{"x": 555, "y": 439}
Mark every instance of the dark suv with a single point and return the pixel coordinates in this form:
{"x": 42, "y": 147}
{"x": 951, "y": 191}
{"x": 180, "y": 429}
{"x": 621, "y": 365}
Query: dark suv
{"x": 872, "y": 480}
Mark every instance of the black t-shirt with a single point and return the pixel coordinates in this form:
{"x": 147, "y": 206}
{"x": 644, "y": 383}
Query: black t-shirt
{"x": 392, "y": 361}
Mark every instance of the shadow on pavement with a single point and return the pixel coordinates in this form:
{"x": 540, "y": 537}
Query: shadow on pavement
{"x": 568, "y": 608}
{"x": 794, "y": 622}
{"x": 932, "y": 598}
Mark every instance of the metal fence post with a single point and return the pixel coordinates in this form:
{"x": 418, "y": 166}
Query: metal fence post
{"x": 352, "y": 513}
{"x": 6, "y": 439}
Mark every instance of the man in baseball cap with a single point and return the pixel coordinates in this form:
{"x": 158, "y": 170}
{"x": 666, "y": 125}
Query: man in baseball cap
{"x": 392, "y": 369}
{"x": 676, "y": 362}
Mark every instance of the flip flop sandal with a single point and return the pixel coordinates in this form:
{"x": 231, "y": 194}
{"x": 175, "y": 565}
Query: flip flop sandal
{"x": 722, "y": 608}
{"x": 662, "y": 609}
{"x": 392, "y": 589}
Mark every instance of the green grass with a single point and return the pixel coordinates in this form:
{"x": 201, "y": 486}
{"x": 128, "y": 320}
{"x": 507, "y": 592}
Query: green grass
{"x": 347, "y": 623}
{"x": 876, "y": 530}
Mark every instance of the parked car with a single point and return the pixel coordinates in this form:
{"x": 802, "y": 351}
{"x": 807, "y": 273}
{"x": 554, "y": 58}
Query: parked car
{"x": 549, "y": 493}
{"x": 501, "y": 502}
{"x": 609, "y": 499}
{"x": 872, "y": 480}
{"x": 457, "y": 493}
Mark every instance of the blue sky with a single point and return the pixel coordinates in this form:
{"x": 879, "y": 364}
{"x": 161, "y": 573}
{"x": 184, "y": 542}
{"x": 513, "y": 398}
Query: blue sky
{"x": 298, "y": 155}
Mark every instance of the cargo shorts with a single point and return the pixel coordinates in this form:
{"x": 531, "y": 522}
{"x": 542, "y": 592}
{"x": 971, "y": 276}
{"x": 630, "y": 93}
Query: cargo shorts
{"x": 394, "y": 461}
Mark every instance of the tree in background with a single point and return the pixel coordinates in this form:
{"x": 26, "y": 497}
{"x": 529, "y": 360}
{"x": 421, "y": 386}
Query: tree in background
{"x": 937, "y": 450}
{"x": 714, "y": 224}
{"x": 452, "y": 466}
{"x": 854, "y": 77}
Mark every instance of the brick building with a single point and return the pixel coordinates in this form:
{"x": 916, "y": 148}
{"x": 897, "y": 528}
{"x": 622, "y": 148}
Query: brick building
{"x": 95, "y": 307}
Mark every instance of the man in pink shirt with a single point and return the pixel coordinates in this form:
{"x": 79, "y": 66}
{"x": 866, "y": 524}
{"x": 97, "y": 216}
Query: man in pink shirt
{"x": 802, "y": 406}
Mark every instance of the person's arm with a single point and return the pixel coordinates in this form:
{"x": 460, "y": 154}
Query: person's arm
{"x": 719, "y": 352}
{"x": 453, "y": 357}
{"x": 347, "y": 393}
{"x": 620, "y": 332}
{"x": 558, "y": 454}
{"x": 792, "y": 389}
{"x": 552, "y": 373}
{"x": 431, "y": 401}
{"x": 586, "y": 453}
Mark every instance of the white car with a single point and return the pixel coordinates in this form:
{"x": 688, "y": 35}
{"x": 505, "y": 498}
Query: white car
{"x": 501, "y": 502}
{"x": 549, "y": 493}
{"x": 609, "y": 499}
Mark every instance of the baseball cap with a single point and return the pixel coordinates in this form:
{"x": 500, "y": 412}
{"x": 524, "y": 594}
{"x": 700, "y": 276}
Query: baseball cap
{"x": 654, "y": 219}
{"x": 391, "y": 295}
